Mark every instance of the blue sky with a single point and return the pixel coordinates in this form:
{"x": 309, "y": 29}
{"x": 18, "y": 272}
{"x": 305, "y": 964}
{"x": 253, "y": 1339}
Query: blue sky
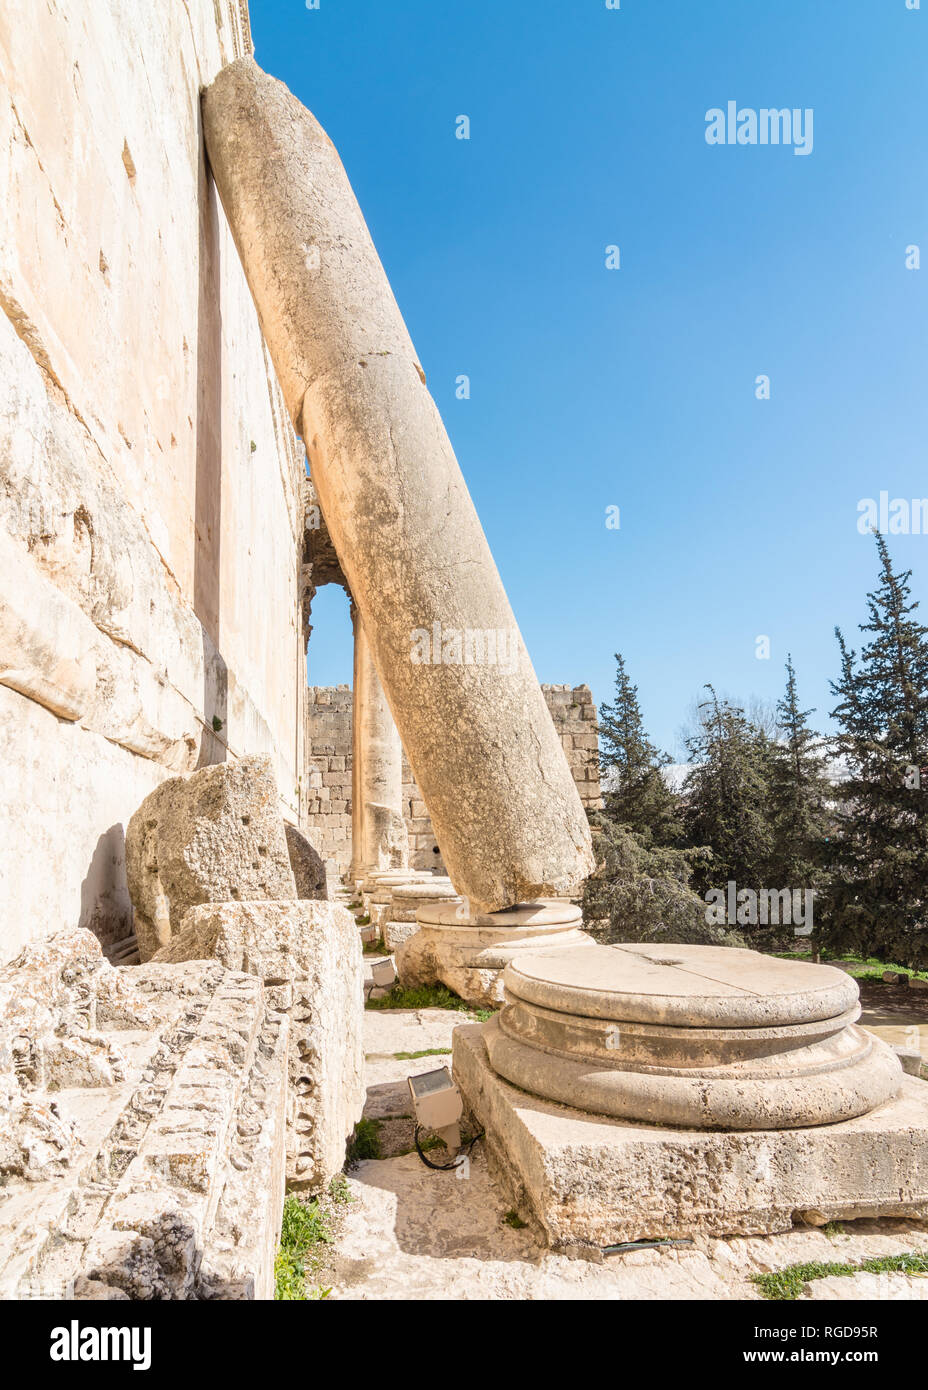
{"x": 636, "y": 387}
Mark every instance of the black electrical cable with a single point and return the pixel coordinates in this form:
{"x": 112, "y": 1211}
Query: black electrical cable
{"x": 456, "y": 1163}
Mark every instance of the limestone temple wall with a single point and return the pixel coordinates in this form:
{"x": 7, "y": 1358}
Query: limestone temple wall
{"x": 328, "y": 754}
{"x": 150, "y": 509}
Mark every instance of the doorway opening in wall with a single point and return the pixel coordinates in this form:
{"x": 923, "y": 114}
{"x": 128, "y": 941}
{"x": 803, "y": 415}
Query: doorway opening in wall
{"x": 330, "y": 653}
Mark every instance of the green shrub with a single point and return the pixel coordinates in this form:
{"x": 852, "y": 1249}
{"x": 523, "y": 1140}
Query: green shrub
{"x": 364, "y": 1143}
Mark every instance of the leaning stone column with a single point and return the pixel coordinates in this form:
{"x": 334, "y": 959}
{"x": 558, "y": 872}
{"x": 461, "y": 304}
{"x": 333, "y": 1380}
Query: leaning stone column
{"x": 443, "y": 637}
{"x": 378, "y": 831}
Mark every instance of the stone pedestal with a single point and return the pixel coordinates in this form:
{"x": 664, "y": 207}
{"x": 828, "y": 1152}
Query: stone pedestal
{"x": 632, "y": 1092}
{"x": 697, "y": 1036}
{"x": 377, "y": 891}
{"x": 468, "y": 951}
{"x": 371, "y": 882}
{"x": 405, "y": 902}
{"x": 588, "y": 1180}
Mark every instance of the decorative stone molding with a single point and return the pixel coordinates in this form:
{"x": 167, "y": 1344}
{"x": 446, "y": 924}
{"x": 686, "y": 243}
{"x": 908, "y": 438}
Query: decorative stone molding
{"x": 142, "y": 1128}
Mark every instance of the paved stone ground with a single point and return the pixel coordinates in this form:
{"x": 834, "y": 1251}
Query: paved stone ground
{"x": 412, "y": 1233}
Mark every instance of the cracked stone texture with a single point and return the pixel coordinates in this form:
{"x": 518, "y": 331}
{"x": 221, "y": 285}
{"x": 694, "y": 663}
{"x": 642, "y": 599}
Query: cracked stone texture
{"x": 307, "y": 864}
{"x": 395, "y": 503}
{"x": 157, "y": 1170}
{"x": 309, "y": 956}
{"x": 216, "y": 836}
{"x": 134, "y": 608}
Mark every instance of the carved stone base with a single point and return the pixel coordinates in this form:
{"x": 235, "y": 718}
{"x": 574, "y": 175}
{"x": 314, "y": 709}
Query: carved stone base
{"x": 468, "y": 952}
{"x": 695, "y": 1036}
{"x": 589, "y": 1181}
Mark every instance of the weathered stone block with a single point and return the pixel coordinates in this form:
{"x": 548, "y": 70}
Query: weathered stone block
{"x": 216, "y": 836}
{"x": 313, "y": 947}
{"x": 307, "y": 865}
{"x": 592, "y": 1181}
{"x": 165, "y": 1180}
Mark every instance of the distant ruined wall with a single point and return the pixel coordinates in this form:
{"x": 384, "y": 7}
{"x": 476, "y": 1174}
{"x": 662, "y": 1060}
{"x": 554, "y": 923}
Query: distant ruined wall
{"x": 150, "y": 509}
{"x": 328, "y": 763}
{"x": 328, "y": 773}
{"x": 423, "y": 847}
{"x": 574, "y": 716}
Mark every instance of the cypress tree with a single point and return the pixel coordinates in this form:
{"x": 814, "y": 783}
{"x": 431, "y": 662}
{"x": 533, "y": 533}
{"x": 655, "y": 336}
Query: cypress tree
{"x": 725, "y": 796}
{"x": 639, "y": 797}
{"x": 878, "y": 897}
{"x": 798, "y": 796}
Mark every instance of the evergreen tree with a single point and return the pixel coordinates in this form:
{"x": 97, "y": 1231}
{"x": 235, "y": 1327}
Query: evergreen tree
{"x": 798, "y": 796}
{"x": 642, "y": 892}
{"x": 725, "y": 796}
{"x": 639, "y": 796}
{"x": 878, "y": 898}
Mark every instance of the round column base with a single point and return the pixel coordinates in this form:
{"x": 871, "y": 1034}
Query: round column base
{"x": 468, "y": 952}
{"x": 694, "y": 1037}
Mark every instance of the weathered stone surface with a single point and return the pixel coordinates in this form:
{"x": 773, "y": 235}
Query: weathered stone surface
{"x": 871, "y": 1287}
{"x": 481, "y": 743}
{"x": 309, "y": 955}
{"x": 407, "y": 898}
{"x": 214, "y": 837}
{"x": 307, "y": 865}
{"x": 149, "y": 513}
{"x": 395, "y": 934}
{"x": 593, "y": 1181}
{"x": 328, "y": 776}
{"x": 468, "y": 951}
{"x": 387, "y": 879}
{"x": 162, "y": 1178}
{"x": 691, "y": 1036}
{"x": 377, "y": 893}
{"x": 399, "y": 922}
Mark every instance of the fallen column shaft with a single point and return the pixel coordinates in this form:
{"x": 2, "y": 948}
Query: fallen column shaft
{"x": 444, "y": 640}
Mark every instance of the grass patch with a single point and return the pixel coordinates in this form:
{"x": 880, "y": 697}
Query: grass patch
{"x": 861, "y": 967}
{"x": 305, "y": 1230}
{"x": 364, "y": 921}
{"x": 427, "y": 997}
{"x": 787, "y": 1284}
{"x": 513, "y": 1219}
{"x": 339, "y": 1191}
{"x": 364, "y": 1143}
{"x": 355, "y": 907}
{"x": 430, "y": 1142}
{"x": 426, "y": 1052}
{"x": 376, "y": 948}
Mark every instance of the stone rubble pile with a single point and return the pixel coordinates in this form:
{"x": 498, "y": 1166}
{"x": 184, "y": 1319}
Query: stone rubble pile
{"x": 142, "y": 1127}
